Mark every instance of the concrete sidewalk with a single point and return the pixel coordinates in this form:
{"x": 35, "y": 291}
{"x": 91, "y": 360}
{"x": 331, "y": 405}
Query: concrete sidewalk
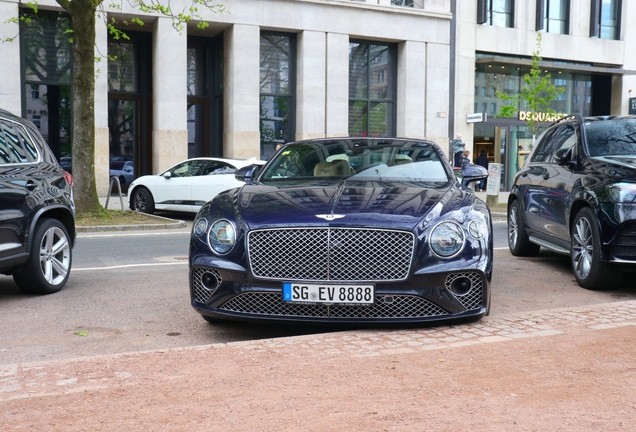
{"x": 566, "y": 369}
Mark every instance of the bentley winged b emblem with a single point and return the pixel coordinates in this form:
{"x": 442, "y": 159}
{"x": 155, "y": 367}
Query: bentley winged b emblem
{"x": 330, "y": 217}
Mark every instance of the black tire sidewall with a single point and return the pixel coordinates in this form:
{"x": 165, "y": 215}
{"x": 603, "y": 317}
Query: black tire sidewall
{"x": 594, "y": 279}
{"x": 150, "y": 203}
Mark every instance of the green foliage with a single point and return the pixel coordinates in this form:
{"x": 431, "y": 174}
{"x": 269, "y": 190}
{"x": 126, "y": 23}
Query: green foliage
{"x": 537, "y": 94}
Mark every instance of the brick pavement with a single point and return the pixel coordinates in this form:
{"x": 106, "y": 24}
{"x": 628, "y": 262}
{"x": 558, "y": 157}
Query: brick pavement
{"x": 63, "y": 377}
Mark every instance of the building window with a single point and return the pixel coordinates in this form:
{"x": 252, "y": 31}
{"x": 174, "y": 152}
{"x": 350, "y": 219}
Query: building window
{"x": 371, "y": 101}
{"x": 499, "y": 13}
{"x": 277, "y": 94}
{"x": 46, "y": 60}
{"x": 605, "y": 19}
{"x": 553, "y": 16}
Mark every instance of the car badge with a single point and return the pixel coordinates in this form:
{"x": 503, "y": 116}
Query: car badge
{"x": 330, "y": 217}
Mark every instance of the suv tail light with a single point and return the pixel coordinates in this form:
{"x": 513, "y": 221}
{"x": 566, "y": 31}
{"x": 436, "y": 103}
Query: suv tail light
{"x": 69, "y": 178}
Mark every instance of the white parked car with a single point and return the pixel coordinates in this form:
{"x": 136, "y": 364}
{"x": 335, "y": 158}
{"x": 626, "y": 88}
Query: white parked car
{"x": 186, "y": 186}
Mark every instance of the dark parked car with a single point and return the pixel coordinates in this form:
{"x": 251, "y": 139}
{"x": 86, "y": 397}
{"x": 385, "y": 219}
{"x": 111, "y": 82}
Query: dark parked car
{"x": 37, "y": 213}
{"x": 351, "y": 230}
{"x": 576, "y": 195}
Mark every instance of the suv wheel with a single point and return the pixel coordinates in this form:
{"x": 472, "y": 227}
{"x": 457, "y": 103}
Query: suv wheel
{"x": 518, "y": 240}
{"x": 143, "y": 201}
{"x": 49, "y": 264}
{"x": 589, "y": 270}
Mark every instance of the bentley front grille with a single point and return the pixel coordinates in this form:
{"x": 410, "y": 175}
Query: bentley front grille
{"x": 386, "y": 306}
{"x": 330, "y": 254}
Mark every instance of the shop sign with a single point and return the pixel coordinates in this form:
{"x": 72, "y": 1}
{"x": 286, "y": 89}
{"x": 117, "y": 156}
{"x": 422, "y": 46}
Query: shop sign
{"x": 632, "y": 105}
{"x": 476, "y": 117}
{"x": 494, "y": 179}
{"x": 539, "y": 116}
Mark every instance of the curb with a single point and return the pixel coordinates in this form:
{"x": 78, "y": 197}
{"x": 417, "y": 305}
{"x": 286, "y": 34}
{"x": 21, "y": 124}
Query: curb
{"x": 169, "y": 224}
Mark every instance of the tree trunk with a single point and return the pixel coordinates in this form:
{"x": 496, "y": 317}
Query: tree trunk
{"x": 82, "y": 14}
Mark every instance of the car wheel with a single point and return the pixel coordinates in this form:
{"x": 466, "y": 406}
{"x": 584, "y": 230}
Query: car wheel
{"x": 143, "y": 201}
{"x": 518, "y": 240}
{"x": 589, "y": 270}
{"x": 49, "y": 264}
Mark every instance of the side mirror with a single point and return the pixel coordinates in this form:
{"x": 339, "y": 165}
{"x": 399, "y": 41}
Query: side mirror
{"x": 564, "y": 156}
{"x": 167, "y": 175}
{"x": 472, "y": 173}
{"x": 247, "y": 173}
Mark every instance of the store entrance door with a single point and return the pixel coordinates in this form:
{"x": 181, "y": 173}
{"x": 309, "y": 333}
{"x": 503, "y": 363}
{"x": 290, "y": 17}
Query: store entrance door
{"x": 493, "y": 140}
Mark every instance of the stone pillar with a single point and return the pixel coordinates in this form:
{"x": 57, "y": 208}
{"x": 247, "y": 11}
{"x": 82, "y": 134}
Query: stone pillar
{"x": 10, "y": 85}
{"x": 337, "y": 116}
{"x": 102, "y": 148}
{"x": 411, "y": 90}
{"x": 169, "y": 108}
{"x": 241, "y": 135}
{"x": 437, "y": 91}
{"x": 311, "y": 85}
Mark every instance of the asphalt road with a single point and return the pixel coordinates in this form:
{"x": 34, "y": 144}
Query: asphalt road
{"x": 129, "y": 292}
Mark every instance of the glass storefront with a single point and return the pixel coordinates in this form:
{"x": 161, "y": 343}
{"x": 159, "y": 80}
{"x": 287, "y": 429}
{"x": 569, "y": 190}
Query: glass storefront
{"x": 508, "y": 140}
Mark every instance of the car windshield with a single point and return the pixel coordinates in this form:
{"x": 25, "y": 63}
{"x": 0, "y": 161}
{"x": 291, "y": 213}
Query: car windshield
{"x": 358, "y": 160}
{"x": 611, "y": 137}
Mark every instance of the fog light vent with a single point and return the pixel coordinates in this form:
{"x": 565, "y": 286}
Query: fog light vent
{"x": 204, "y": 283}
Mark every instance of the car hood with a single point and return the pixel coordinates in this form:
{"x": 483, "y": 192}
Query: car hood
{"x": 400, "y": 205}
{"x": 627, "y": 162}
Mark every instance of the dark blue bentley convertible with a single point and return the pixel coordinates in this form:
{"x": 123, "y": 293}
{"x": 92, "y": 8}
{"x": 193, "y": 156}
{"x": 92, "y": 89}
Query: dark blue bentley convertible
{"x": 351, "y": 230}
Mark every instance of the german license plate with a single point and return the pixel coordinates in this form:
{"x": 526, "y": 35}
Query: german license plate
{"x": 352, "y": 295}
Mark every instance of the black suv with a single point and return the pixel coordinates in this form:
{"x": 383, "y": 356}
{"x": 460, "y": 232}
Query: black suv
{"x": 576, "y": 195}
{"x": 37, "y": 213}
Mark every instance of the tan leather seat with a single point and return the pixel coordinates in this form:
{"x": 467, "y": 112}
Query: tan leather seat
{"x": 338, "y": 167}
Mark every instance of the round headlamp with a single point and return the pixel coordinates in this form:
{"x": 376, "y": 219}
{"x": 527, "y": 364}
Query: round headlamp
{"x": 222, "y": 237}
{"x": 447, "y": 239}
{"x": 477, "y": 229}
{"x": 200, "y": 226}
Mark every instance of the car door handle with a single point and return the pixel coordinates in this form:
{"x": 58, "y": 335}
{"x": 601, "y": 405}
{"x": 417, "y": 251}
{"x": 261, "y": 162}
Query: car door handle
{"x": 546, "y": 176}
{"x": 30, "y": 185}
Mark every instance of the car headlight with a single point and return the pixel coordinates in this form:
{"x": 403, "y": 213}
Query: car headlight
{"x": 477, "y": 229}
{"x": 222, "y": 236}
{"x": 447, "y": 239}
{"x": 622, "y": 192}
{"x": 200, "y": 226}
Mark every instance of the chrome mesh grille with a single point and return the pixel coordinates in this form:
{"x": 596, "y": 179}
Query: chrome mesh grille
{"x": 200, "y": 293}
{"x": 330, "y": 254}
{"x": 473, "y": 299}
{"x": 272, "y": 304}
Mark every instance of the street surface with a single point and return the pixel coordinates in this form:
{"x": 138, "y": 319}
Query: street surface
{"x": 128, "y": 292}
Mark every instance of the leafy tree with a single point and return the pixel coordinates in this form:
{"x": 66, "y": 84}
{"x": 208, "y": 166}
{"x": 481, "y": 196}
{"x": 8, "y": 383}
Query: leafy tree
{"x": 82, "y": 35}
{"x": 537, "y": 94}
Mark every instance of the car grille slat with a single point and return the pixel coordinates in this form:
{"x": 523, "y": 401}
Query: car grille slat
{"x": 330, "y": 254}
{"x": 272, "y": 304}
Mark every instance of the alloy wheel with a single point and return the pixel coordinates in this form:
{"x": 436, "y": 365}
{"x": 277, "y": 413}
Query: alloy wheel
{"x": 55, "y": 257}
{"x": 140, "y": 201}
{"x": 513, "y": 227}
{"x": 582, "y": 247}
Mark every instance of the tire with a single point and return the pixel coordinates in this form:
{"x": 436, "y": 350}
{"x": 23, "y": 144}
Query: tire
{"x": 143, "y": 201}
{"x": 589, "y": 270}
{"x": 50, "y": 257}
{"x": 518, "y": 240}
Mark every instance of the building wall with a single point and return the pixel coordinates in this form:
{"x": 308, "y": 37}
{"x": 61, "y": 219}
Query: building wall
{"x": 521, "y": 41}
{"x": 323, "y": 29}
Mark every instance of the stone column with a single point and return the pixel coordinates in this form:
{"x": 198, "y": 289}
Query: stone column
{"x": 102, "y": 149}
{"x": 10, "y": 86}
{"x": 437, "y": 91}
{"x": 411, "y": 90}
{"x": 169, "y": 108}
{"x": 311, "y": 87}
{"x": 241, "y": 135}
{"x": 337, "y": 85}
